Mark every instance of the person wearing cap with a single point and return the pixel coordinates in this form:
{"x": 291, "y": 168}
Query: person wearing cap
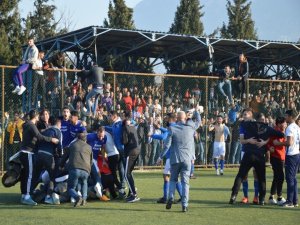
{"x": 219, "y": 148}
{"x": 80, "y": 157}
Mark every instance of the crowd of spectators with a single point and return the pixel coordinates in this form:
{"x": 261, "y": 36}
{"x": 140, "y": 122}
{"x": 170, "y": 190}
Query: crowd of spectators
{"x": 150, "y": 100}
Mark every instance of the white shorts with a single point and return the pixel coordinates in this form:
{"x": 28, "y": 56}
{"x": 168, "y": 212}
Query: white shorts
{"x": 219, "y": 149}
{"x": 167, "y": 168}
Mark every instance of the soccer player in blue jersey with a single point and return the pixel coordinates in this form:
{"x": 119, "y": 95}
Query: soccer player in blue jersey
{"x": 167, "y": 169}
{"x": 76, "y": 126}
{"x": 97, "y": 141}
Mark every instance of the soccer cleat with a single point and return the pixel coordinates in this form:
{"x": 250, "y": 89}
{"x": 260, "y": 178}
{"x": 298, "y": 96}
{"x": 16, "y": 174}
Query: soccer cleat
{"x": 161, "y": 200}
{"x": 272, "y": 201}
{"x": 16, "y": 90}
{"x": 133, "y": 198}
{"x": 221, "y": 172}
{"x": 49, "y": 200}
{"x": 28, "y": 201}
{"x": 169, "y": 204}
{"x": 255, "y": 200}
{"x": 78, "y": 201}
{"x": 245, "y": 200}
{"x": 22, "y": 89}
{"x": 288, "y": 205}
{"x": 280, "y": 201}
{"x": 104, "y": 198}
{"x": 296, "y": 205}
{"x": 232, "y": 199}
{"x": 217, "y": 172}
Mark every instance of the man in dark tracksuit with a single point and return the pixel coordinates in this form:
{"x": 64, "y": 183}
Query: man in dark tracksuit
{"x": 80, "y": 157}
{"x": 254, "y": 135}
{"x": 46, "y": 156}
{"x": 30, "y": 136}
{"x": 132, "y": 150}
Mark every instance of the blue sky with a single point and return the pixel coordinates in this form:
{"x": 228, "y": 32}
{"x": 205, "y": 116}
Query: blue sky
{"x": 274, "y": 19}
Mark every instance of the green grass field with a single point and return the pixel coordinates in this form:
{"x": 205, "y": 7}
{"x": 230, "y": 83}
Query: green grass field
{"x": 209, "y": 197}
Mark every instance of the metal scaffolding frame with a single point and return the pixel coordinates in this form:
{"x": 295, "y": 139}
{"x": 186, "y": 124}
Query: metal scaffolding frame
{"x": 95, "y": 43}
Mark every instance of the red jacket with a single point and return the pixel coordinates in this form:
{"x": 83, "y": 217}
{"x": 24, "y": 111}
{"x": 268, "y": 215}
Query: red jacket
{"x": 104, "y": 169}
{"x": 279, "y": 151}
{"x": 128, "y": 102}
{"x": 141, "y": 106}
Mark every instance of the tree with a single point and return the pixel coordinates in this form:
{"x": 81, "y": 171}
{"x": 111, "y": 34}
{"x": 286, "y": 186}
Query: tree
{"x": 240, "y": 25}
{"x": 187, "y": 21}
{"x": 7, "y": 22}
{"x": 16, "y": 37}
{"x": 43, "y": 23}
{"x": 119, "y": 16}
{"x": 5, "y": 52}
{"x": 188, "y": 18}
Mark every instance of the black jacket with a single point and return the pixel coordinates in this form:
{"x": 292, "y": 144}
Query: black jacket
{"x": 130, "y": 138}
{"x": 31, "y": 135}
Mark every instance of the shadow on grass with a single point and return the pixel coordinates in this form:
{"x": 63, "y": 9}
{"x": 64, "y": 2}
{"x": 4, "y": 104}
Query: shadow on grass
{"x": 211, "y": 189}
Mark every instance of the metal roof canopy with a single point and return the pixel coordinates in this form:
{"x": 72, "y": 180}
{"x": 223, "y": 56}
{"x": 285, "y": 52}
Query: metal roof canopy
{"x": 98, "y": 42}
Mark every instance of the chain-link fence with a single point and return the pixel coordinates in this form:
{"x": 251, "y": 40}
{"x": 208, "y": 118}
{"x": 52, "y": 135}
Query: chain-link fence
{"x": 150, "y": 98}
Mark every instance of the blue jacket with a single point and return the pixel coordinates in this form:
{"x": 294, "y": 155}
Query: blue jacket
{"x": 233, "y": 113}
{"x": 163, "y": 136}
{"x": 116, "y": 131}
{"x": 49, "y": 147}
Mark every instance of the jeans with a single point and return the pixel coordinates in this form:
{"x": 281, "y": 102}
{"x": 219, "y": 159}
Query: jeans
{"x": 227, "y": 85}
{"x": 200, "y": 147}
{"x": 121, "y": 167}
{"x": 78, "y": 176}
{"x": 92, "y": 93}
{"x": 235, "y": 152}
{"x": 184, "y": 169}
{"x": 58, "y": 78}
{"x": 291, "y": 167}
{"x": 155, "y": 151}
{"x": 95, "y": 173}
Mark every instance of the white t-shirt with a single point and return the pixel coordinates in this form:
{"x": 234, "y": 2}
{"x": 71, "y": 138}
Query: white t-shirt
{"x": 110, "y": 147}
{"x": 293, "y": 130}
